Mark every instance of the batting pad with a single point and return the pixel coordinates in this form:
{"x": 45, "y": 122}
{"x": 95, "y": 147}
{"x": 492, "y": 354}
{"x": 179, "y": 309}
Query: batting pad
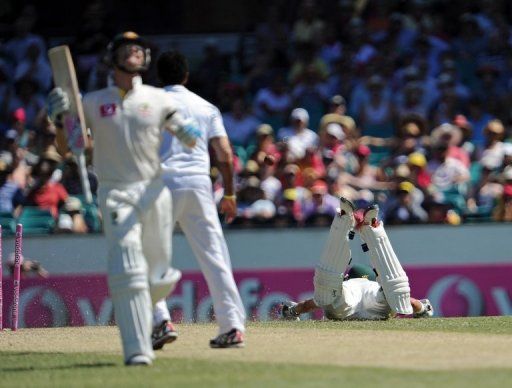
{"x": 336, "y": 255}
{"x": 390, "y": 274}
{"x": 133, "y": 311}
{"x": 161, "y": 288}
{"x": 129, "y": 288}
{"x": 328, "y": 286}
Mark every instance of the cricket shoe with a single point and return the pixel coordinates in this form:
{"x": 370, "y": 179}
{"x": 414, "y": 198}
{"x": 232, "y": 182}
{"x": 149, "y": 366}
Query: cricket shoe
{"x": 164, "y": 333}
{"x": 428, "y": 310}
{"x": 288, "y": 311}
{"x": 232, "y": 339}
{"x": 139, "y": 360}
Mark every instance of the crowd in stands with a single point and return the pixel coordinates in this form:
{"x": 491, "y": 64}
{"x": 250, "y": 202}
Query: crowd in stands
{"x": 406, "y": 104}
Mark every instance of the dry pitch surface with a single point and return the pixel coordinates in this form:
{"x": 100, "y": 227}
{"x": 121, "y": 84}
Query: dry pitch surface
{"x": 479, "y": 345}
{"x": 429, "y": 350}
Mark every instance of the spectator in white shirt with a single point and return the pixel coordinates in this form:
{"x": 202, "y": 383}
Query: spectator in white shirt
{"x": 298, "y": 136}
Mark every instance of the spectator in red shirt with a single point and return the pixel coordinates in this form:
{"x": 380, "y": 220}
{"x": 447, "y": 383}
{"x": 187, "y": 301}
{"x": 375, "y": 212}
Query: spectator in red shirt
{"x": 46, "y": 193}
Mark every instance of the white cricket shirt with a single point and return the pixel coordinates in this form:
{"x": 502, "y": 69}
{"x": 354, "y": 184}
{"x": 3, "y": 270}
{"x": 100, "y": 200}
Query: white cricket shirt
{"x": 127, "y": 131}
{"x": 179, "y": 160}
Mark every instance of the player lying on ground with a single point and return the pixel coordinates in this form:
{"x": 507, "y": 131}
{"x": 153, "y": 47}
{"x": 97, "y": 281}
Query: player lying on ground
{"x": 359, "y": 298}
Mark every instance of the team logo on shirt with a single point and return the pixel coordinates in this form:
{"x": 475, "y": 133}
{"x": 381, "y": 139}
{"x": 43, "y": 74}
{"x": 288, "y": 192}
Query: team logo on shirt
{"x": 107, "y": 110}
{"x": 144, "y": 109}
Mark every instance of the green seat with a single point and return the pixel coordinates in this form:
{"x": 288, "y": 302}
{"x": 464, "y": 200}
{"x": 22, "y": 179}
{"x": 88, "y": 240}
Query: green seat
{"x": 7, "y": 222}
{"x": 241, "y": 152}
{"x": 36, "y": 221}
{"x": 92, "y": 217}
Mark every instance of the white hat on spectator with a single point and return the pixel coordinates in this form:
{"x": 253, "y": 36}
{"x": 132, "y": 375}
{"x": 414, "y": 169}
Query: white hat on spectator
{"x": 507, "y": 149}
{"x": 73, "y": 204}
{"x": 300, "y": 114}
{"x": 335, "y": 130}
{"x": 507, "y": 173}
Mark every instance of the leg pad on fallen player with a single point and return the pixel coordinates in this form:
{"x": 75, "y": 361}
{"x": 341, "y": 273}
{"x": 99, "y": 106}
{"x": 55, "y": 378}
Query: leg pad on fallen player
{"x": 328, "y": 286}
{"x": 336, "y": 254}
{"x": 390, "y": 274}
{"x": 161, "y": 288}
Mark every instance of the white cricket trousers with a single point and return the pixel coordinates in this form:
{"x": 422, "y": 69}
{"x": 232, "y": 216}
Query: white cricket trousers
{"x": 137, "y": 226}
{"x": 195, "y": 211}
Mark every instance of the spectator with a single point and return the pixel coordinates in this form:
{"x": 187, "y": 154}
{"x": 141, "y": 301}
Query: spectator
{"x": 11, "y": 194}
{"x": 308, "y": 27}
{"x": 289, "y": 209}
{"x": 338, "y": 105}
{"x": 451, "y": 135}
{"x": 35, "y": 66}
{"x": 271, "y": 104}
{"x": 298, "y": 135}
{"x": 265, "y": 146}
{"x": 478, "y": 117}
{"x": 312, "y": 94}
{"x": 377, "y": 116}
{"x": 320, "y": 208}
{"x": 17, "y": 46}
{"x": 28, "y": 98}
{"x": 404, "y": 209}
{"x": 71, "y": 178}
{"x": 503, "y": 210}
{"x": 418, "y": 174}
{"x": 365, "y": 176}
{"x": 44, "y": 192}
{"x": 449, "y": 177}
{"x": 240, "y": 124}
{"x": 6, "y": 91}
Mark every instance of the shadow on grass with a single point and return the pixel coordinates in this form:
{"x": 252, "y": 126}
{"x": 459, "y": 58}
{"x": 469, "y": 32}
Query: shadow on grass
{"x": 59, "y": 367}
{"x": 37, "y": 360}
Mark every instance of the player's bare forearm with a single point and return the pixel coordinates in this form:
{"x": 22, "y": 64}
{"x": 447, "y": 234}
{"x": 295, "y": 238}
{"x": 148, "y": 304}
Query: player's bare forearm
{"x": 224, "y": 157}
{"x": 61, "y": 140}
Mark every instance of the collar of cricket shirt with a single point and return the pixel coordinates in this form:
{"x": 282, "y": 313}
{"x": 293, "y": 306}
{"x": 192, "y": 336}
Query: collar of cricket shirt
{"x": 136, "y": 82}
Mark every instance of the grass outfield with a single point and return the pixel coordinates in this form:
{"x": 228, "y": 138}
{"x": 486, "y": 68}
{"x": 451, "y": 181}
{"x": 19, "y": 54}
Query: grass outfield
{"x": 457, "y": 352}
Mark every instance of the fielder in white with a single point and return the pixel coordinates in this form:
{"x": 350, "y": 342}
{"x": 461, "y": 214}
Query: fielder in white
{"x": 187, "y": 174}
{"x": 127, "y": 120}
{"x": 359, "y": 298}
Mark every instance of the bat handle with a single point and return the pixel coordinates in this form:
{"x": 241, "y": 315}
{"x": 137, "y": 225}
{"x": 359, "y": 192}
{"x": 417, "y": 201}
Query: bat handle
{"x": 84, "y": 178}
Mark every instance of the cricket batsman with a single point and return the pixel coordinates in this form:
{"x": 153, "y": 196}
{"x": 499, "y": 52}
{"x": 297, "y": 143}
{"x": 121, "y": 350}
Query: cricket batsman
{"x": 359, "y": 298}
{"x": 127, "y": 119}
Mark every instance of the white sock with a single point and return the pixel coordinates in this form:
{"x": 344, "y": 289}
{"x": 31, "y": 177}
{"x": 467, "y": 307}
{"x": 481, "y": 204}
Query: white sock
{"x": 160, "y": 313}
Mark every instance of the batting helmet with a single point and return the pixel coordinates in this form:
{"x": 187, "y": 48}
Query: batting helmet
{"x": 124, "y": 39}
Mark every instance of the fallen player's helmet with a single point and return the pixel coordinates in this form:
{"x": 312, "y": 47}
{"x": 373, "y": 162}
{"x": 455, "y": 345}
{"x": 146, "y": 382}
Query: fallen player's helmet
{"x": 360, "y": 271}
{"x": 124, "y": 41}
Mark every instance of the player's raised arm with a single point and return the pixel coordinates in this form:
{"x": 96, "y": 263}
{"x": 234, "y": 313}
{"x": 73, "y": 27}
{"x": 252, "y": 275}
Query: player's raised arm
{"x": 186, "y": 130}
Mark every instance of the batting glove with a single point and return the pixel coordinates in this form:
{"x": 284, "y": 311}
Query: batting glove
{"x": 186, "y": 130}
{"x": 57, "y": 103}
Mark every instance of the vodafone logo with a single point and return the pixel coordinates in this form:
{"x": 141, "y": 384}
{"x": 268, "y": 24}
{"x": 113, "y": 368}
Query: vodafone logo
{"x": 38, "y": 304}
{"x": 456, "y": 296}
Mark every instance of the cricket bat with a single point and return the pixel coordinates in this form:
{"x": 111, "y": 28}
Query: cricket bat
{"x": 75, "y": 131}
